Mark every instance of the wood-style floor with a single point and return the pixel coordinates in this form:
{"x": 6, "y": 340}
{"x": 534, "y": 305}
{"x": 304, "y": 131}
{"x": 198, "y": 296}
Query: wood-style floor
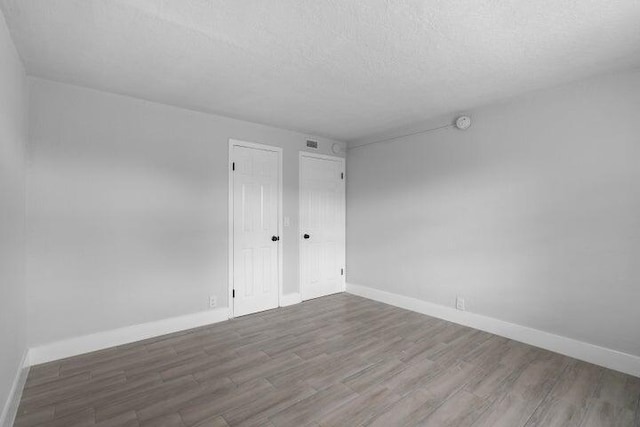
{"x": 335, "y": 361}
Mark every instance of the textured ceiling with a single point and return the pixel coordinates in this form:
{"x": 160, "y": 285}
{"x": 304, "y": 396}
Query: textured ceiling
{"x": 339, "y": 68}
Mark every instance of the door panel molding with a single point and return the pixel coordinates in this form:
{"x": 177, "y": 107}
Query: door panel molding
{"x": 230, "y": 269}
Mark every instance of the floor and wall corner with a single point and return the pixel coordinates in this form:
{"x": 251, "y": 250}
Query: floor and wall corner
{"x": 540, "y": 240}
{"x": 116, "y": 240}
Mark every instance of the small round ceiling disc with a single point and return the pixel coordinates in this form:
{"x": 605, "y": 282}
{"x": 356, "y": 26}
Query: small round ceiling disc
{"x": 463, "y": 122}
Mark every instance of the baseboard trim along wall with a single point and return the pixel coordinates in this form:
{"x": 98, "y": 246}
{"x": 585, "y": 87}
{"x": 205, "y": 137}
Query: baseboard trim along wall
{"x": 597, "y": 355}
{"x": 101, "y": 340}
{"x": 10, "y": 408}
{"x": 290, "y": 299}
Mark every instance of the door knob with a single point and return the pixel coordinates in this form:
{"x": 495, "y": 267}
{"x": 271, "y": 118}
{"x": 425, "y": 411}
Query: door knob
{"x": 275, "y": 238}
{"x": 306, "y": 236}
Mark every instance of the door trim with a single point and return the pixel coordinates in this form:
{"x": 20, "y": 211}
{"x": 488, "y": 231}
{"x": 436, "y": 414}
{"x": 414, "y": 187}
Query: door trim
{"x": 343, "y": 162}
{"x": 278, "y": 150}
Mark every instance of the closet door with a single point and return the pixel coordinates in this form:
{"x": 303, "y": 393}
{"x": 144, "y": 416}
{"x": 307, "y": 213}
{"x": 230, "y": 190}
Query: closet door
{"x": 256, "y": 188}
{"x": 322, "y": 225}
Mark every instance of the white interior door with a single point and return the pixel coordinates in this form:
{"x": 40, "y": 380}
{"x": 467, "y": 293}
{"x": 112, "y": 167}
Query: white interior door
{"x": 255, "y": 236}
{"x": 322, "y": 225}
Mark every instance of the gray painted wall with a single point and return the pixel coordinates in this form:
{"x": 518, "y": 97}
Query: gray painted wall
{"x": 13, "y": 138}
{"x": 127, "y": 209}
{"x": 532, "y": 215}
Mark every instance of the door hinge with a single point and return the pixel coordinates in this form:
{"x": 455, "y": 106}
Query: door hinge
{"x": 233, "y": 293}
{"x": 342, "y": 271}
{"x": 341, "y": 175}
{"x": 233, "y": 166}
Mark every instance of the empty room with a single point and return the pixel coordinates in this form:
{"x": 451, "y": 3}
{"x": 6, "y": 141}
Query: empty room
{"x": 384, "y": 213}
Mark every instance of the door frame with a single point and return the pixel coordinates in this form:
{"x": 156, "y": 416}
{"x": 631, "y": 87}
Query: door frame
{"x": 236, "y": 142}
{"x": 343, "y": 162}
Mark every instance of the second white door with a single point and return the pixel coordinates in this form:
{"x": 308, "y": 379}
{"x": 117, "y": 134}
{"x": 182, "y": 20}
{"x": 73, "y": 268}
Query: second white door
{"x": 322, "y": 225}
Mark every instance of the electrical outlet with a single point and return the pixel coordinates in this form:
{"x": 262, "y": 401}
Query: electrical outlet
{"x": 213, "y": 301}
{"x": 460, "y": 303}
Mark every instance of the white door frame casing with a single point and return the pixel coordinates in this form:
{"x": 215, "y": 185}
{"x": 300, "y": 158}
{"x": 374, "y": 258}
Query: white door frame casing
{"x": 230, "y": 272}
{"x": 343, "y": 162}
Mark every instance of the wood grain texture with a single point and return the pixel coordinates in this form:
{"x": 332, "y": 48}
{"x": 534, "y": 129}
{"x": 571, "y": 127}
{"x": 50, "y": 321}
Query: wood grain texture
{"x": 340, "y": 360}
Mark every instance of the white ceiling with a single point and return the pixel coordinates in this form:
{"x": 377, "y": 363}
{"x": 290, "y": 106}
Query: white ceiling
{"x": 339, "y": 68}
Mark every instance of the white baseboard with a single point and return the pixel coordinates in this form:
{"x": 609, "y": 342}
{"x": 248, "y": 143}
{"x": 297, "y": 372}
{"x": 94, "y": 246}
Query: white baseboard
{"x": 101, "y": 340}
{"x": 597, "y": 355}
{"x": 290, "y": 299}
{"x": 10, "y": 408}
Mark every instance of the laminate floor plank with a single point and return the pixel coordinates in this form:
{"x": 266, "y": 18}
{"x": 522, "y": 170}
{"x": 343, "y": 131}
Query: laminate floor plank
{"x": 567, "y": 403}
{"x": 408, "y": 411}
{"x": 368, "y": 405}
{"x": 526, "y": 390}
{"x": 205, "y": 408}
{"x": 461, "y": 410}
{"x": 339, "y": 360}
{"x": 314, "y": 407}
{"x": 264, "y": 405}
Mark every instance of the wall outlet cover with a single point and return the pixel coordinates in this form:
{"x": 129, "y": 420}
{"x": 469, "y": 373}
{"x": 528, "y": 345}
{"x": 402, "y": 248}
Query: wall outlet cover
{"x": 460, "y": 303}
{"x": 213, "y": 301}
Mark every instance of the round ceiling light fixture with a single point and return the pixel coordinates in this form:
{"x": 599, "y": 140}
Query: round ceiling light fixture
{"x": 463, "y": 122}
